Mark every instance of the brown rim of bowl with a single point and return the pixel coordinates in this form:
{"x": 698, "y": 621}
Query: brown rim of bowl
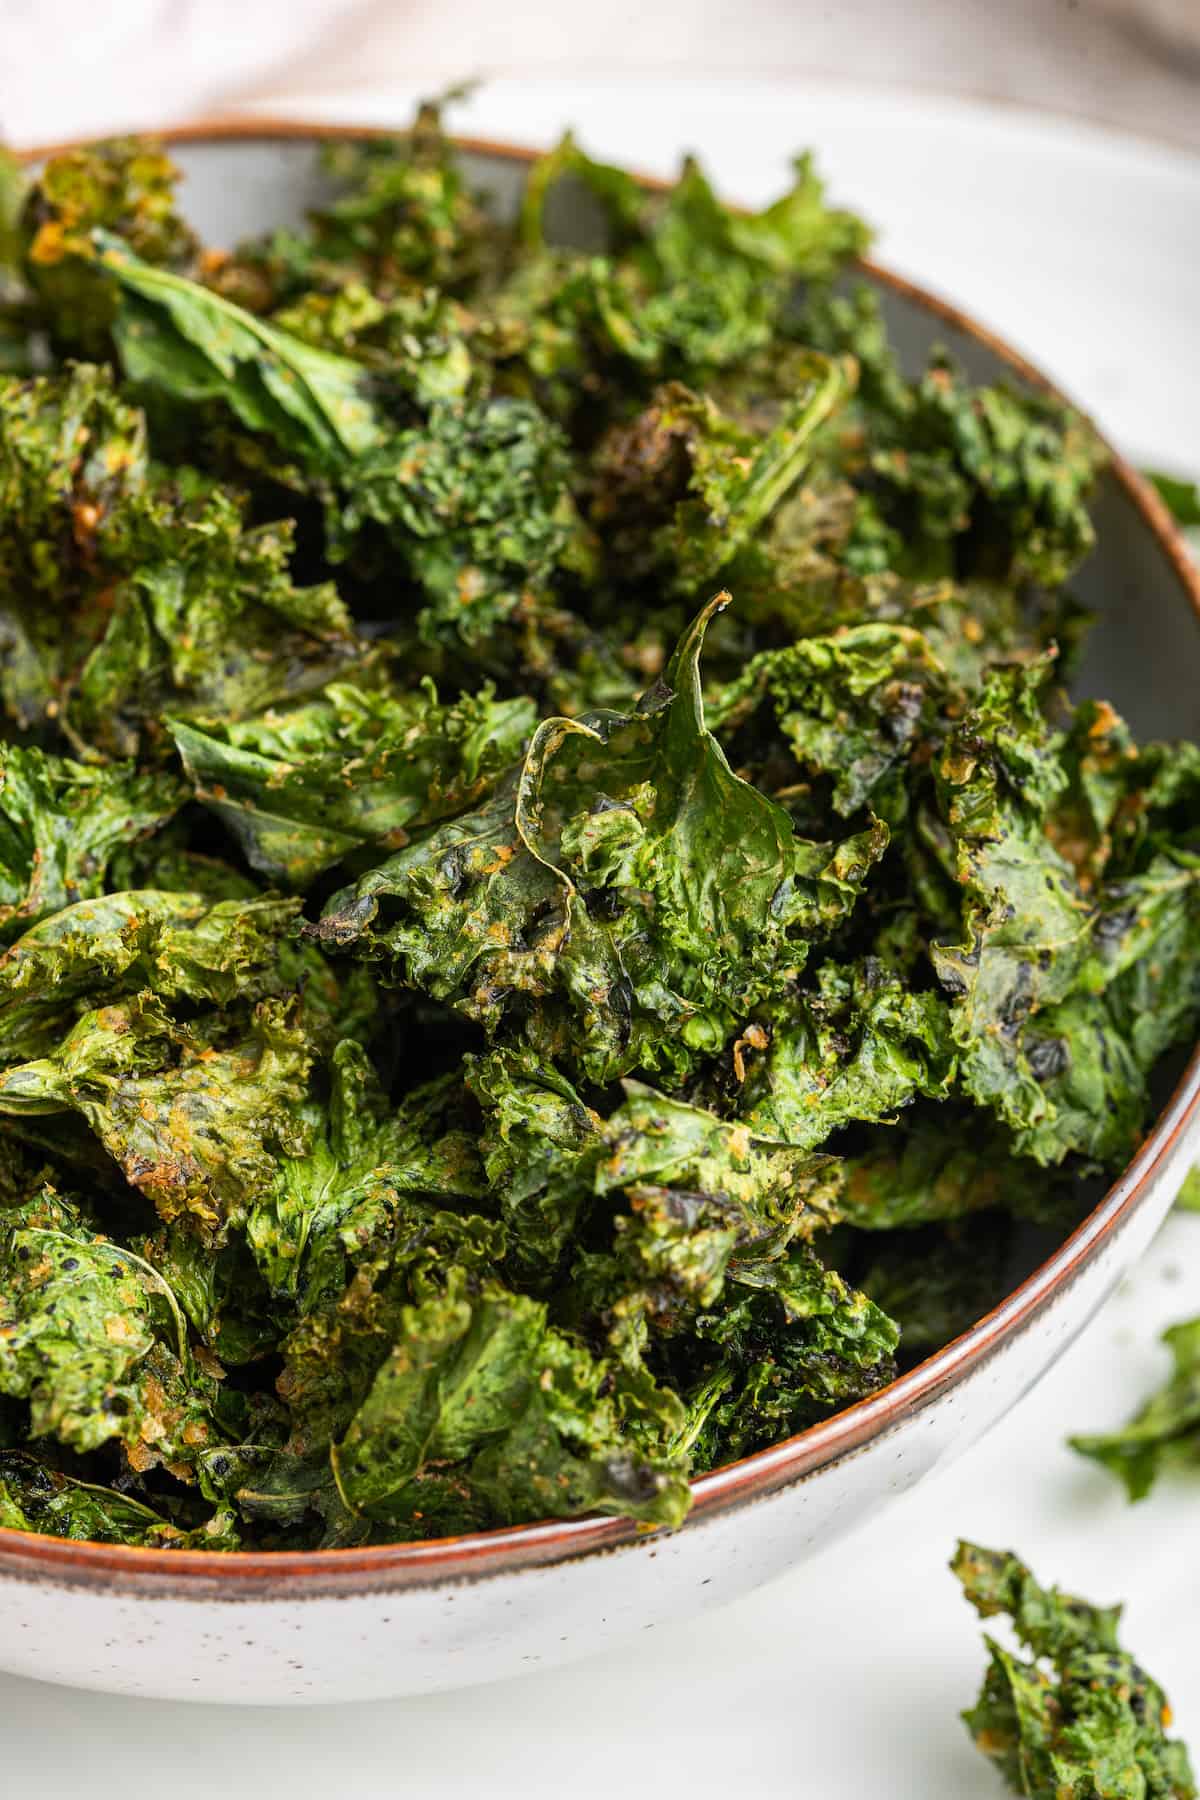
{"x": 243, "y": 1574}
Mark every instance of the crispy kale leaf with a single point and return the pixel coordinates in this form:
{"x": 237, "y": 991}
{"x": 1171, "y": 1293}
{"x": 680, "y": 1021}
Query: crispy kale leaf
{"x": 628, "y": 1071}
{"x": 184, "y": 339}
{"x": 476, "y": 500}
{"x": 1164, "y": 1433}
{"x": 34, "y": 1497}
{"x": 858, "y": 1046}
{"x": 193, "y": 1114}
{"x": 482, "y": 1411}
{"x": 123, "y": 595}
{"x": 344, "y": 1199}
{"x": 302, "y": 786}
{"x": 624, "y": 889}
{"x": 94, "y": 1339}
{"x": 126, "y": 186}
{"x": 1071, "y": 977}
{"x": 853, "y": 706}
{"x": 682, "y": 489}
{"x": 61, "y": 822}
{"x": 1079, "y": 1716}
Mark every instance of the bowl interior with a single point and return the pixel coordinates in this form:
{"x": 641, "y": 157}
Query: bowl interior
{"x": 1143, "y": 652}
{"x": 1141, "y": 655}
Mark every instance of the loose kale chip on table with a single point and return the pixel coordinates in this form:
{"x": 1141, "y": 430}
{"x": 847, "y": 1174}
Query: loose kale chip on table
{"x": 1078, "y": 1717}
{"x": 556, "y": 920}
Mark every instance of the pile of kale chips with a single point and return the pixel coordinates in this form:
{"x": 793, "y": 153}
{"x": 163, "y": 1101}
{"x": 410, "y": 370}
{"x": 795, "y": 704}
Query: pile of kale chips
{"x": 490, "y": 1025}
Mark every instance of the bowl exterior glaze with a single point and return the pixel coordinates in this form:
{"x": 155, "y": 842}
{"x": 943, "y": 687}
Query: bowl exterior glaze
{"x": 352, "y": 1625}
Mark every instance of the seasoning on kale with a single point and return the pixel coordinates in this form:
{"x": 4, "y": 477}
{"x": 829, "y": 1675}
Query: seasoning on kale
{"x": 1079, "y": 1716}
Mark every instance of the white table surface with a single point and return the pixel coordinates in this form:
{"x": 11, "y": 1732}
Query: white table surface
{"x": 845, "y": 1678}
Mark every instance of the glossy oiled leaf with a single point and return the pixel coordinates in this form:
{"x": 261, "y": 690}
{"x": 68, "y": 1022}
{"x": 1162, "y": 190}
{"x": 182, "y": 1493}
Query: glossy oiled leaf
{"x": 190, "y": 342}
{"x": 481, "y": 1401}
{"x": 636, "y": 895}
{"x": 300, "y": 787}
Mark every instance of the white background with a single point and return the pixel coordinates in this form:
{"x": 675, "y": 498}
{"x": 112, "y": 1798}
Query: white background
{"x": 845, "y": 1678}
{"x": 841, "y": 1681}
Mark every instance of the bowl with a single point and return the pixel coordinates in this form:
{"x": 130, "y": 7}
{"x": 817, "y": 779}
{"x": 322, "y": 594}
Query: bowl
{"x": 357, "y": 1624}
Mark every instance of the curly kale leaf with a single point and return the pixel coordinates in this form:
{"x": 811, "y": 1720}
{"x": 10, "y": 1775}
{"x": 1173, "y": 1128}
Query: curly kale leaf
{"x": 1077, "y": 972}
{"x": 482, "y": 1411}
{"x": 536, "y": 1129}
{"x": 1000, "y": 478}
{"x": 477, "y": 502}
{"x": 700, "y": 1202}
{"x": 220, "y": 1291}
{"x": 194, "y": 1115}
{"x": 859, "y": 1045}
{"x": 302, "y": 786}
{"x": 475, "y": 497}
{"x": 683, "y": 489}
{"x": 333, "y": 1352}
{"x": 125, "y": 186}
{"x": 407, "y": 215}
{"x": 206, "y": 619}
{"x": 122, "y": 596}
{"x": 665, "y": 288}
{"x": 854, "y": 706}
{"x": 173, "y": 944}
{"x": 404, "y": 217}
{"x": 71, "y": 453}
{"x": 774, "y": 1360}
{"x": 1026, "y": 924}
{"x": 344, "y": 1199}
{"x": 416, "y": 339}
{"x": 636, "y": 895}
{"x": 34, "y": 1497}
{"x": 709, "y": 1278}
{"x": 62, "y": 822}
{"x": 1079, "y": 1716}
{"x": 93, "y": 1338}
{"x": 1165, "y": 1433}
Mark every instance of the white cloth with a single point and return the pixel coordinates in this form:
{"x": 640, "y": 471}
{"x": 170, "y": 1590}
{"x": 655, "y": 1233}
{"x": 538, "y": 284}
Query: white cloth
{"x": 73, "y": 67}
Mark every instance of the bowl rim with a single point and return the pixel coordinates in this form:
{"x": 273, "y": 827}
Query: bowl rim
{"x": 265, "y": 1575}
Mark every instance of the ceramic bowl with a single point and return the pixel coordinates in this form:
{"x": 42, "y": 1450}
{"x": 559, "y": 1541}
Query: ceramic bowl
{"x": 355, "y": 1624}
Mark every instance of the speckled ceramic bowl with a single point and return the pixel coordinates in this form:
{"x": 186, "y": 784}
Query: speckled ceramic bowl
{"x": 351, "y": 1624}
